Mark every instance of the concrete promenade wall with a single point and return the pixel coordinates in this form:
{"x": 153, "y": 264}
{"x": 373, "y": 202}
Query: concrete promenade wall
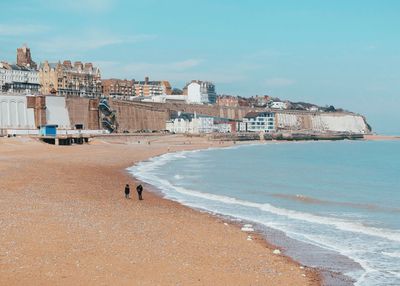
{"x": 133, "y": 116}
{"x": 57, "y": 112}
{"x": 14, "y": 112}
{"x": 84, "y": 111}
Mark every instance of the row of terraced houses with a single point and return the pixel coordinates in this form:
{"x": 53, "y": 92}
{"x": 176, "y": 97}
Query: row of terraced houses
{"x": 78, "y": 79}
{"x": 81, "y": 79}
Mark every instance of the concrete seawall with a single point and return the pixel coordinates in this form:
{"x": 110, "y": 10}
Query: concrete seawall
{"x": 134, "y": 116}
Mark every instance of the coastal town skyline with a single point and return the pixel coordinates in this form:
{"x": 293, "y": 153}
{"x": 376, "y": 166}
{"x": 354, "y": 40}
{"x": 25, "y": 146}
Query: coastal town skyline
{"x": 213, "y": 142}
{"x": 295, "y": 52}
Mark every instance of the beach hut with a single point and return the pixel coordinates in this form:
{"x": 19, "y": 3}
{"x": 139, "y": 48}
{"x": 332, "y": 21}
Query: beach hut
{"x": 48, "y": 130}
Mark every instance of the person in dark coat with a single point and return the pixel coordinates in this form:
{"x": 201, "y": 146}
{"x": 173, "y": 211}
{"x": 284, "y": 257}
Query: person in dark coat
{"x": 127, "y": 191}
{"x": 139, "y": 190}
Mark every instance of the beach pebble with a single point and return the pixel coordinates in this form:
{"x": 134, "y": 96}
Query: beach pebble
{"x": 303, "y": 275}
{"x": 249, "y": 237}
{"x": 225, "y": 223}
{"x": 301, "y": 267}
{"x": 276, "y": 251}
{"x": 248, "y": 229}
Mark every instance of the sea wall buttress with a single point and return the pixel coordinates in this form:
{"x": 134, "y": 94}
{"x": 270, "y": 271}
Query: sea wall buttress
{"x": 83, "y": 111}
{"x": 131, "y": 116}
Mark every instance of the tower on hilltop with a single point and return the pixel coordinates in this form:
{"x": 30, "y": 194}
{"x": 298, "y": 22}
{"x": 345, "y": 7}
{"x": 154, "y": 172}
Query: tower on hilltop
{"x": 24, "y": 58}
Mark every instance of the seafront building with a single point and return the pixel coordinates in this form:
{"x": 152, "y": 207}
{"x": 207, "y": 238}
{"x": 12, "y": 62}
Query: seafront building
{"x": 227, "y": 100}
{"x": 223, "y": 127}
{"x": 65, "y": 79}
{"x": 261, "y": 100}
{"x": 278, "y": 105}
{"x": 118, "y": 88}
{"x": 259, "y": 122}
{"x": 193, "y": 123}
{"x": 183, "y": 122}
{"x": 164, "y": 98}
{"x": 151, "y": 88}
{"x": 200, "y": 92}
{"x": 18, "y": 79}
{"x": 24, "y": 58}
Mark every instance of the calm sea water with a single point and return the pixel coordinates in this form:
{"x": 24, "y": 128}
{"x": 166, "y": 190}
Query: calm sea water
{"x": 340, "y": 196}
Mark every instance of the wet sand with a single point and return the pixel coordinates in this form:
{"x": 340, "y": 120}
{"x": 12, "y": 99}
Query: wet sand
{"x": 64, "y": 221}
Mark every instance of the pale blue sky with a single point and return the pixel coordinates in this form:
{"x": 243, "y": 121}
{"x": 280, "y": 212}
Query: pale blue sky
{"x": 340, "y": 52}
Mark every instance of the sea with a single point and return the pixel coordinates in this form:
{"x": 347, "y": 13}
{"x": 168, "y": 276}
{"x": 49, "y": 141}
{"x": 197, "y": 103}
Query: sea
{"x": 330, "y": 205}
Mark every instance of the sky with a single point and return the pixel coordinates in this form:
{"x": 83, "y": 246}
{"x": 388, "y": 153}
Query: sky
{"x": 344, "y": 53}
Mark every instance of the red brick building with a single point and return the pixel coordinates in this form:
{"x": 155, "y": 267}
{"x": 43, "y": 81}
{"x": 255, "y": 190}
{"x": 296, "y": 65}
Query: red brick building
{"x": 227, "y": 100}
{"x": 24, "y": 58}
{"x": 118, "y": 88}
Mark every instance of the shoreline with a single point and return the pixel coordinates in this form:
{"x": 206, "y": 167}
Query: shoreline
{"x": 264, "y": 235}
{"x": 374, "y": 137}
{"x": 72, "y": 230}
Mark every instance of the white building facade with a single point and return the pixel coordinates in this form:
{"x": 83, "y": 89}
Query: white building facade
{"x": 260, "y": 122}
{"x": 163, "y": 98}
{"x": 201, "y": 92}
{"x": 18, "y": 79}
{"x": 223, "y": 128}
{"x": 190, "y": 123}
{"x": 278, "y": 105}
{"x": 15, "y": 114}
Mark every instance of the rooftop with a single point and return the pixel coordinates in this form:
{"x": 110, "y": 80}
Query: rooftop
{"x": 258, "y": 114}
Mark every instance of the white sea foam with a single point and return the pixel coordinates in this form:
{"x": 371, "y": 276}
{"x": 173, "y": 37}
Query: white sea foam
{"x": 342, "y": 224}
{"x": 178, "y": 177}
{"x": 336, "y": 222}
{"x": 395, "y": 254}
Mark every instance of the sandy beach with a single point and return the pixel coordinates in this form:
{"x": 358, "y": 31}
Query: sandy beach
{"x": 64, "y": 221}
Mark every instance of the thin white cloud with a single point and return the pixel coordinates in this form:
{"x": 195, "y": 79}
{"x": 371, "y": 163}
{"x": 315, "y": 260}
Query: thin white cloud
{"x": 166, "y": 67}
{"x": 21, "y": 29}
{"x": 371, "y": 47}
{"x": 178, "y": 71}
{"x": 263, "y": 54}
{"x": 80, "y": 6}
{"x": 279, "y": 82}
{"x": 186, "y": 64}
{"x": 88, "y": 41}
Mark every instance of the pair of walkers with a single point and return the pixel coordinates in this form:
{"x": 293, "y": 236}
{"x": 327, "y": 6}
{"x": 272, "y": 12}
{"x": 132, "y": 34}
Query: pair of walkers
{"x": 139, "y": 190}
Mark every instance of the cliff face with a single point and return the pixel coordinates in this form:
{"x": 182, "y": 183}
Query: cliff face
{"x": 322, "y": 122}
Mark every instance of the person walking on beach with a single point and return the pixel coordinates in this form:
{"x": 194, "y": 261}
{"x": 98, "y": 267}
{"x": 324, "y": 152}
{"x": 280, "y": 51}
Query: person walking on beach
{"x": 139, "y": 190}
{"x": 127, "y": 191}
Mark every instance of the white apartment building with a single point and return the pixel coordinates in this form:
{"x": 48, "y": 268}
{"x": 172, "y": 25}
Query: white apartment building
{"x": 223, "y": 128}
{"x": 201, "y": 92}
{"x": 152, "y": 88}
{"x": 278, "y": 105}
{"x": 18, "y": 79}
{"x": 190, "y": 123}
{"x": 260, "y": 122}
{"x": 163, "y": 98}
